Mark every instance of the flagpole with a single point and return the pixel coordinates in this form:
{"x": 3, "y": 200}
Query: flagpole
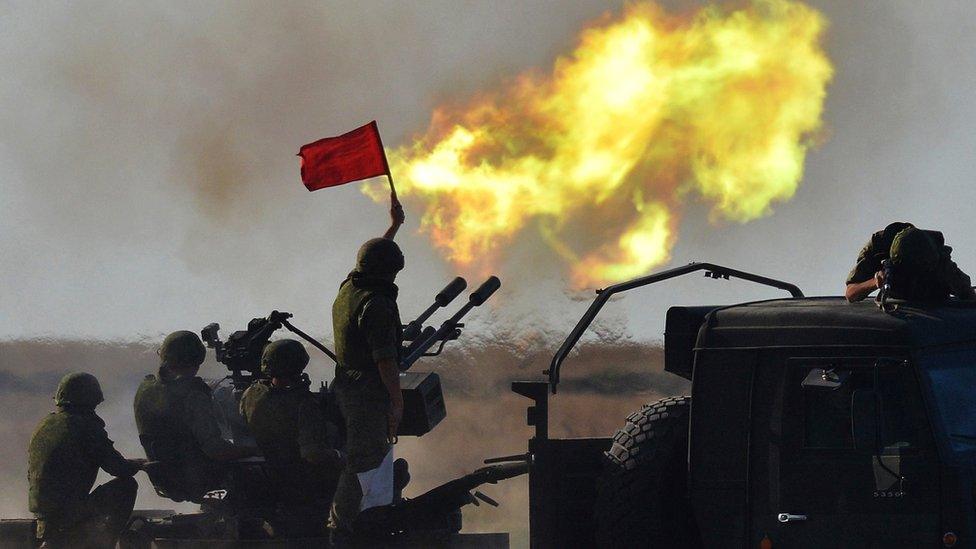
{"x": 393, "y": 194}
{"x": 389, "y": 177}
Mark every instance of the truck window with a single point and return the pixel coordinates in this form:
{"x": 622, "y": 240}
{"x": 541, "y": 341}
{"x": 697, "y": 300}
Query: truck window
{"x": 827, "y": 412}
{"x": 953, "y": 378}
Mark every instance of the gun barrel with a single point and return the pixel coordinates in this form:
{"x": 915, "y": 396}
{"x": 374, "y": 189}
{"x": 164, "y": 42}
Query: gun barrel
{"x": 413, "y": 330}
{"x": 485, "y": 290}
{"x": 451, "y": 291}
{"x": 476, "y": 298}
{"x": 419, "y": 339}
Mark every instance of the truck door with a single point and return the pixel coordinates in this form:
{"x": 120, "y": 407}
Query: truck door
{"x": 849, "y": 460}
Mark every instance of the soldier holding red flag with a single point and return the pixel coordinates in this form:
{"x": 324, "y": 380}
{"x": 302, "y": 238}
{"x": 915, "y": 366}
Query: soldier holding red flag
{"x": 368, "y": 335}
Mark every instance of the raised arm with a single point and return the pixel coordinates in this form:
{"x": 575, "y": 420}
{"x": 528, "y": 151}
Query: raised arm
{"x": 396, "y": 218}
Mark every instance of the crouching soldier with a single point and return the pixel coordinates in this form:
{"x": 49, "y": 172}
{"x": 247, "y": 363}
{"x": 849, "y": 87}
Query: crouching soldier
{"x": 919, "y": 263}
{"x": 66, "y": 451}
{"x": 178, "y": 425}
{"x": 289, "y": 425}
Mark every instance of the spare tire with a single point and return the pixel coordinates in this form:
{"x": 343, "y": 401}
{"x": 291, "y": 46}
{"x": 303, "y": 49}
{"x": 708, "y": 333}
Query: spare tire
{"x": 642, "y": 493}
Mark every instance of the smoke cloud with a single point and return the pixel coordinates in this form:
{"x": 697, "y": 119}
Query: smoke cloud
{"x": 599, "y": 153}
{"x": 150, "y": 183}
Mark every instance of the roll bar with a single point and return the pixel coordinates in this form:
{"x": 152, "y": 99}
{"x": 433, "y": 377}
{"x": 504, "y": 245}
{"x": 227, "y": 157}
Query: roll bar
{"x": 603, "y": 295}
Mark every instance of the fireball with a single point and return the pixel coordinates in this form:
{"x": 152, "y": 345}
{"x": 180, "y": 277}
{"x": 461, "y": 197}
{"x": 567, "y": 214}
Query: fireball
{"x": 599, "y": 154}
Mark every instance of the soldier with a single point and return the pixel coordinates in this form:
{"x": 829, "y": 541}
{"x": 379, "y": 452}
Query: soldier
{"x": 921, "y": 267}
{"x": 367, "y": 331}
{"x": 177, "y": 423}
{"x": 290, "y": 428}
{"x": 66, "y": 451}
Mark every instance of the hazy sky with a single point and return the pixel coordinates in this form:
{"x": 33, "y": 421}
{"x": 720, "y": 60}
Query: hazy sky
{"x": 148, "y": 180}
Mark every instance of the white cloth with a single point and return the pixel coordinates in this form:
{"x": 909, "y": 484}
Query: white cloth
{"x": 377, "y": 484}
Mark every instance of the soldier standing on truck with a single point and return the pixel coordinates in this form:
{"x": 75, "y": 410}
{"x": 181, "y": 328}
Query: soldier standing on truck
{"x": 368, "y": 335}
{"x": 178, "y": 425}
{"x": 920, "y": 267}
{"x": 289, "y": 425}
{"x": 66, "y": 451}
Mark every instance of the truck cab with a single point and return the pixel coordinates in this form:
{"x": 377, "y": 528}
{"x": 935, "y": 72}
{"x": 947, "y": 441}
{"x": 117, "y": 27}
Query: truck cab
{"x": 821, "y": 423}
{"x": 812, "y": 422}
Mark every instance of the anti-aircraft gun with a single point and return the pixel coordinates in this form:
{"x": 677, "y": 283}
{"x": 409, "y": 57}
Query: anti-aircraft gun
{"x": 248, "y": 514}
{"x": 423, "y": 399}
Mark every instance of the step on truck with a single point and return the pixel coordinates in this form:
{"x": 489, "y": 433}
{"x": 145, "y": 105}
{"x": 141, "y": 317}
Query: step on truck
{"x": 812, "y": 423}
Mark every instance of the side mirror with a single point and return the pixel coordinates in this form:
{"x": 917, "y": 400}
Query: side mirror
{"x": 865, "y": 420}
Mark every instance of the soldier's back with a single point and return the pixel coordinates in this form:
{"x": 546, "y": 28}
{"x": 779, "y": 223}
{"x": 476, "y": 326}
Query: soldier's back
{"x": 273, "y": 416}
{"x": 289, "y": 425}
{"x": 61, "y": 466}
{"x": 159, "y": 415}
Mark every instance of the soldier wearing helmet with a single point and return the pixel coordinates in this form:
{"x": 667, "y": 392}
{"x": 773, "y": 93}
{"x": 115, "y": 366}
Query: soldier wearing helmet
{"x": 177, "y": 424}
{"x": 289, "y": 425}
{"x": 368, "y": 335}
{"x": 65, "y": 453}
{"x": 920, "y": 266}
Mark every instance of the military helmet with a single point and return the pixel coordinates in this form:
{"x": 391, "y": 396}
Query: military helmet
{"x": 284, "y": 358}
{"x": 182, "y": 348}
{"x": 79, "y": 389}
{"x": 379, "y": 256}
{"x": 914, "y": 249}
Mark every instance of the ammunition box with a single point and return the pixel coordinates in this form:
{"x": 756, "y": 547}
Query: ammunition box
{"x": 423, "y": 403}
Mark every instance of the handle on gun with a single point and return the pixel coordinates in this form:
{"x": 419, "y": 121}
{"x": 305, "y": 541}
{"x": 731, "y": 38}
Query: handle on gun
{"x": 310, "y": 339}
{"x": 442, "y": 299}
{"x": 476, "y": 298}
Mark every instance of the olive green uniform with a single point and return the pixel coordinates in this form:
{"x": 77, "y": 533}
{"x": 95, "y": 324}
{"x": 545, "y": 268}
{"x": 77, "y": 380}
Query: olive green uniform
{"x": 64, "y": 455}
{"x": 178, "y": 427}
{"x": 367, "y": 329}
{"x": 933, "y": 284}
{"x": 290, "y": 428}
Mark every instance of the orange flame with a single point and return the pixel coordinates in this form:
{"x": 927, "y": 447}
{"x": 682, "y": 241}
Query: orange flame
{"x": 598, "y": 156}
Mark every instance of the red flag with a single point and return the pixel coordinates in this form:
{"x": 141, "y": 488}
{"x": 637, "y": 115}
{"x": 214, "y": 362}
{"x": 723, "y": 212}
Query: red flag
{"x": 349, "y": 157}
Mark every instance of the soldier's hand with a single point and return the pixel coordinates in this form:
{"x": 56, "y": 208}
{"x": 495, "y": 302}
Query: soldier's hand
{"x": 879, "y": 279}
{"x": 396, "y": 414}
{"x": 396, "y": 212}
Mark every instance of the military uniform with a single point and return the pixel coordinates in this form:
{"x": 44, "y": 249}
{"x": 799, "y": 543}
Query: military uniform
{"x": 290, "y": 428}
{"x": 178, "y": 427}
{"x": 367, "y": 329}
{"x": 65, "y": 453}
{"x": 923, "y": 267}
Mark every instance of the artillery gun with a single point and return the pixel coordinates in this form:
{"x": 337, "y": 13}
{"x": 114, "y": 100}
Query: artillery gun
{"x": 245, "y": 510}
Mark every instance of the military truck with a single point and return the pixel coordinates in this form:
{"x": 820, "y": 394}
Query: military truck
{"x": 813, "y": 422}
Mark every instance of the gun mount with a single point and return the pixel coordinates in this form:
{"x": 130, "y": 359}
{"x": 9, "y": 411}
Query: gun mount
{"x": 241, "y": 353}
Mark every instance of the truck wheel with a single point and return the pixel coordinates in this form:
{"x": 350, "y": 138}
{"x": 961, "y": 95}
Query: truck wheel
{"x": 641, "y": 495}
